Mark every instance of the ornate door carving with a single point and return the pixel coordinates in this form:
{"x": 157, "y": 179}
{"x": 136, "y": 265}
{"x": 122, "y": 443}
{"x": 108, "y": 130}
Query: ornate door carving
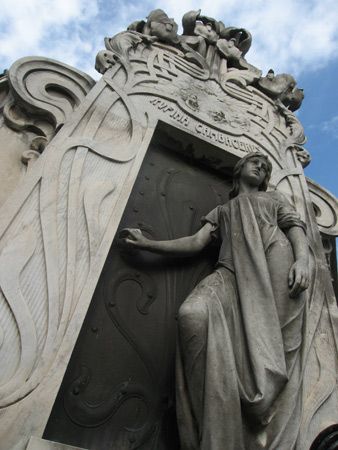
{"x": 118, "y": 392}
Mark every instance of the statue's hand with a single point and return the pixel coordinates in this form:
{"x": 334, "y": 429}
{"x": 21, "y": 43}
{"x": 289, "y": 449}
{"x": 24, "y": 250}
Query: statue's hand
{"x": 133, "y": 237}
{"x": 298, "y": 277}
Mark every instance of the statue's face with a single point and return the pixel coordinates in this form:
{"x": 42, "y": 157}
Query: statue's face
{"x": 206, "y": 31}
{"x": 166, "y": 32}
{"x": 254, "y": 171}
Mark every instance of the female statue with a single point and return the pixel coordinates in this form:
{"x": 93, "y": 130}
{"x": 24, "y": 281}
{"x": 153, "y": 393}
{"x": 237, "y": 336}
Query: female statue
{"x": 240, "y": 332}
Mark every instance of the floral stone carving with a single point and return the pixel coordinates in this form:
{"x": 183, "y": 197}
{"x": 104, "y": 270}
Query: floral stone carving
{"x": 207, "y": 43}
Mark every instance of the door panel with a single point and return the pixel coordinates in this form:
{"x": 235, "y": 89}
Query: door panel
{"x": 119, "y": 388}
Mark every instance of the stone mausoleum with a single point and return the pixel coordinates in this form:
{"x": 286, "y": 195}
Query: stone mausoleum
{"x": 88, "y": 325}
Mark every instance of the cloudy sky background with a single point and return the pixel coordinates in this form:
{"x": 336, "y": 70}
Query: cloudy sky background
{"x": 299, "y": 37}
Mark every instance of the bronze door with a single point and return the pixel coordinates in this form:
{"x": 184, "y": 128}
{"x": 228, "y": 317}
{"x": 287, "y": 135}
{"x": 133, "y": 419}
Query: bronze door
{"x": 119, "y": 388}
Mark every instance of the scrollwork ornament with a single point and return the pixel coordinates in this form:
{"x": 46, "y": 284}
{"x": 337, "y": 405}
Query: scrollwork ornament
{"x": 293, "y": 125}
{"x": 86, "y": 414}
{"x": 33, "y": 82}
{"x": 28, "y": 157}
{"x": 302, "y": 155}
{"x": 38, "y": 145}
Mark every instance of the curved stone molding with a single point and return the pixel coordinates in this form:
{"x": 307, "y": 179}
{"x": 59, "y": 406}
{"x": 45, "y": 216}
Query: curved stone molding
{"x": 327, "y": 440}
{"x": 47, "y": 88}
{"x": 64, "y": 247}
{"x": 37, "y": 96}
{"x": 14, "y": 256}
{"x": 325, "y": 206}
{"x": 65, "y": 213}
{"x": 4, "y": 90}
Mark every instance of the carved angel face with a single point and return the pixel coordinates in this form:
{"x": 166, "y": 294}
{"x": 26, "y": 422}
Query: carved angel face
{"x": 165, "y": 31}
{"x": 206, "y": 31}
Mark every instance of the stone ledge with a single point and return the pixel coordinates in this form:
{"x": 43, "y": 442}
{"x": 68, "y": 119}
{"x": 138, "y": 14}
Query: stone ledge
{"x": 41, "y": 444}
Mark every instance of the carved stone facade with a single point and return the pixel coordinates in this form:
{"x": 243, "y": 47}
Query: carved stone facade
{"x": 174, "y": 112}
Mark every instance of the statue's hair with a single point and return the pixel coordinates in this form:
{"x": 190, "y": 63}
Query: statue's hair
{"x": 237, "y": 173}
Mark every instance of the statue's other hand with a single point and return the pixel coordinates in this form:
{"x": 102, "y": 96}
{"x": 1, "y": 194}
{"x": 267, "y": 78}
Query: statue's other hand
{"x": 132, "y": 236}
{"x": 298, "y": 277}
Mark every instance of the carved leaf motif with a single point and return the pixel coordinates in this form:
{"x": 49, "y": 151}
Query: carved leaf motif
{"x": 163, "y": 63}
{"x": 241, "y": 77}
{"x": 65, "y": 206}
{"x": 13, "y": 259}
{"x": 326, "y": 382}
{"x": 29, "y": 157}
{"x": 120, "y": 46}
{"x": 294, "y": 127}
{"x": 93, "y": 197}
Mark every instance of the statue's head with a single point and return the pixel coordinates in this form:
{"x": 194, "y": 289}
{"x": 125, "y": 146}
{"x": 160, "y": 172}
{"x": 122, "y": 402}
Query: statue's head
{"x": 196, "y": 25}
{"x": 293, "y": 98}
{"x": 160, "y": 25}
{"x": 282, "y": 87}
{"x": 238, "y": 169}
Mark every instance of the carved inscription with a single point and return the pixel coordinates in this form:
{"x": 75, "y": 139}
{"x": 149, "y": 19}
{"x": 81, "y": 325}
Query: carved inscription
{"x": 174, "y": 113}
{"x": 217, "y": 136}
{"x": 204, "y": 130}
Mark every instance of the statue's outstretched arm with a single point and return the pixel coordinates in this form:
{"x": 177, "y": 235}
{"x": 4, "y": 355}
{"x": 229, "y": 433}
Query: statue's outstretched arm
{"x": 299, "y": 272}
{"x": 185, "y": 246}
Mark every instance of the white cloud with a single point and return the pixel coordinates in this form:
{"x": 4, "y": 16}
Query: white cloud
{"x": 39, "y": 27}
{"x": 331, "y": 127}
{"x": 288, "y": 35}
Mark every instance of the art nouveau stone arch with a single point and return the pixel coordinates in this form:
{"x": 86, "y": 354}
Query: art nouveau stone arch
{"x": 87, "y": 141}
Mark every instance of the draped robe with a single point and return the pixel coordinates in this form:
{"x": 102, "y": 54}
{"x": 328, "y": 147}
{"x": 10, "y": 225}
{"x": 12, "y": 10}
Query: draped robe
{"x": 240, "y": 334}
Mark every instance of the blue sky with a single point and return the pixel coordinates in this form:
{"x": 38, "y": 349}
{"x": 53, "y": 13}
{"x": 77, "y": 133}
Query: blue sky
{"x": 299, "y": 37}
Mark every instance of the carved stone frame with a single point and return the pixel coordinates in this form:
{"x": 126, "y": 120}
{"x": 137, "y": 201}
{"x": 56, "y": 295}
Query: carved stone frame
{"x": 58, "y": 224}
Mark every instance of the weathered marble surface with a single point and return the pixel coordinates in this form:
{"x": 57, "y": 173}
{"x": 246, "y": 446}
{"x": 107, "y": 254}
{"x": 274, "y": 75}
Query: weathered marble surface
{"x": 242, "y": 330}
{"x": 86, "y": 143}
{"x": 36, "y": 99}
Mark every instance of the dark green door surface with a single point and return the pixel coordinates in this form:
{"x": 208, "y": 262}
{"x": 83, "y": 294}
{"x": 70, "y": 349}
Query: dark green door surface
{"x": 119, "y": 388}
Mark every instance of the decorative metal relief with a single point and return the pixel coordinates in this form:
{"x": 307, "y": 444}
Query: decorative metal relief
{"x": 131, "y": 324}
